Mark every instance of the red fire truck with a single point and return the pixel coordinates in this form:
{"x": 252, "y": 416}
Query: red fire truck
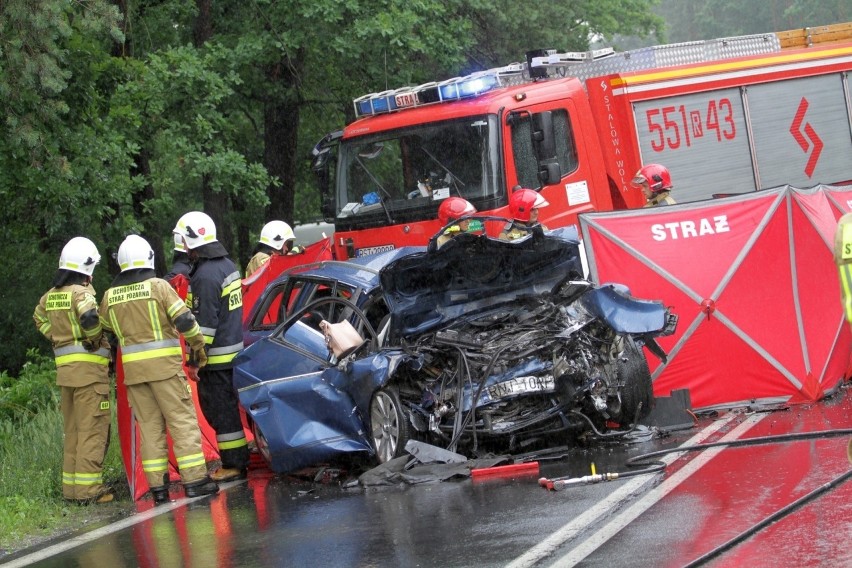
{"x": 725, "y": 116}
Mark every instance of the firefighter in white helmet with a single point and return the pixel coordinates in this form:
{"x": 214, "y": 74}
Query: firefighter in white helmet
{"x": 68, "y": 316}
{"x": 215, "y": 298}
{"x": 146, "y": 315}
{"x": 276, "y": 237}
{"x": 180, "y": 260}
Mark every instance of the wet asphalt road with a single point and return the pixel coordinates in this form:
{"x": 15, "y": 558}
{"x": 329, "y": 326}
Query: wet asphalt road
{"x": 703, "y": 500}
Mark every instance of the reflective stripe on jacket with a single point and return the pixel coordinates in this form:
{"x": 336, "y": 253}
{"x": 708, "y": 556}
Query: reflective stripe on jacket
{"x": 256, "y": 262}
{"x": 58, "y": 317}
{"x": 217, "y": 302}
{"x": 142, "y": 316}
{"x": 662, "y": 198}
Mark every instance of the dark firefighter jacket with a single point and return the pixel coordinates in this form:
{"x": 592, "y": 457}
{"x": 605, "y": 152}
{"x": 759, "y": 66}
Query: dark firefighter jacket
{"x": 215, "y": 298}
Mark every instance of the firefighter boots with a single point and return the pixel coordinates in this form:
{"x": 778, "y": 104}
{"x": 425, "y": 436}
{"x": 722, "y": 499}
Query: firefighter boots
{"x": 204, "y": 486}
{"x": 224, "y": 474}
{"x": 160, "y": 494}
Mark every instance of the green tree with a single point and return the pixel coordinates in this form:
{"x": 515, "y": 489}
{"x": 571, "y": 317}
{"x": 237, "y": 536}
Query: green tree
{"x": 120, "y": 116}
{"x": 506, "y": 30}
{"x": 689, "y": 20}
{"x": 56, "y": 162}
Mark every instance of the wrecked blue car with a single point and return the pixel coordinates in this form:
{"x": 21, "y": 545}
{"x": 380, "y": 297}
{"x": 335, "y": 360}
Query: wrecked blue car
{"x": 479, "y": 346}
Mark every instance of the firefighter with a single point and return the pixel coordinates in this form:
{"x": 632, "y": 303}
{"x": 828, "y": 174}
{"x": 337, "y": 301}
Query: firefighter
{"x": 452, "y": 209}
{"x": 523, "y": 205}
{"x": 843, "y": 259}
{"x": 180, "y": 260}
{"x": 215, "y": 298}
{"x": 655, "y": 181}
{"x": 68, "y": 316}
{"x": 276, "y": 237}
{"x": 146, "y": 315}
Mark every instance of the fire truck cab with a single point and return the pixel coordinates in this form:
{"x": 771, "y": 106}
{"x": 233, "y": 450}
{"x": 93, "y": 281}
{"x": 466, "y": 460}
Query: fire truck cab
{"x": 729, "y": 115}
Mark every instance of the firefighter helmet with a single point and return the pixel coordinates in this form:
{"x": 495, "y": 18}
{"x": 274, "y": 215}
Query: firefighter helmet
{"x": 79, "y": 255}
{"x": 454, "y": 208}
{"x": 275, "y": 234}
{"x": 135, "y": 252}
{"x": 523, "y": 201}
{"x": 179, "y": 246}
{"x": 196, "y": 228}
{"x": 656, "y": 176}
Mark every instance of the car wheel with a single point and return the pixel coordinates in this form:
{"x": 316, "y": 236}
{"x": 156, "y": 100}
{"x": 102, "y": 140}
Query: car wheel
{"x": 388, "y": 425}
{"x": 262, "y": 443}
{"x": 638, "y": 389}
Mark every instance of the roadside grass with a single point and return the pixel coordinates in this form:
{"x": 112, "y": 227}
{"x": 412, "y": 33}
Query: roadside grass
{"x": 31, "y": 503}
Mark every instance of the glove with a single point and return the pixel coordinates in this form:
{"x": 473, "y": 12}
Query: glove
{"x": 192, "y": 373}
{"x": 90, "y": 346}
{"x": 198, "y": 357}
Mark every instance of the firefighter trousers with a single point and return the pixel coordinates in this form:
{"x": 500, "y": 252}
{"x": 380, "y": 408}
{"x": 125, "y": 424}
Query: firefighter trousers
{"x": 86, "y": 422}
{"x": 159, "y": 405}
{"x": 220, "y": 405}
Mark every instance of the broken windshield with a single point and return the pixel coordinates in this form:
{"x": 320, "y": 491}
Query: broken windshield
{"x": 403, "y": 175}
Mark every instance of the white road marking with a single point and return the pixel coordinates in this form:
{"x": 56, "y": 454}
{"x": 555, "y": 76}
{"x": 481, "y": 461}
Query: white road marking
{"x": 649, "y": 499}
{"x": 617, "y": 498}
{"x": 90, "y": 536}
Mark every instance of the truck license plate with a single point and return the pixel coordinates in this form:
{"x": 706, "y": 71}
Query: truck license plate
{"x": 521, "y": 385}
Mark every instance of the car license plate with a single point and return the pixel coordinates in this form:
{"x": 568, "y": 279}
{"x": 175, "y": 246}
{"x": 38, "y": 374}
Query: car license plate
{"x": 521, "y": 385}
{"x": 367, "y": 251}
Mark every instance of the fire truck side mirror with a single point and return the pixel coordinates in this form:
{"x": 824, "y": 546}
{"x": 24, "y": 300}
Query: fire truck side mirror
{"x": 549, "y": 172}
{"x": 324, "y": 159}
{"x": 327, "y": 207}
{"x": 544, "y": 145}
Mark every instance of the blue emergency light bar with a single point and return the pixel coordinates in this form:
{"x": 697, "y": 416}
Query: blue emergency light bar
{"x": 454, "y": 89}
{"x": 471, "y": 85}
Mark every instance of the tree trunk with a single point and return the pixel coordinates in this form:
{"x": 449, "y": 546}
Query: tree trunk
{"x": 215, "y": 204}
{"x": 280, "y": 136}
{"x": 203, "y": 28}
{"x": 218, "y": 206}
{"x": 142, "y": 163}
{"x": 123, "y": 49}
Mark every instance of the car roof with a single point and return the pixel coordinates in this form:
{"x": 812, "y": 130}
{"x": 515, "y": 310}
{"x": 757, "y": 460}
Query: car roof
{"x": 359, "y": 272}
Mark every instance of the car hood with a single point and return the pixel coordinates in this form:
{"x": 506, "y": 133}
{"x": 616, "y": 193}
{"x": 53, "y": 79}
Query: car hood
{"x": 472, "y": 273}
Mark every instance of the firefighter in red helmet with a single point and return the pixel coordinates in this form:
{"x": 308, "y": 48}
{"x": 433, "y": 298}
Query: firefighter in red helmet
{"x": 656, "y": 184}
{"x": 453, "y": 209}
{"x": 524, "y": 205}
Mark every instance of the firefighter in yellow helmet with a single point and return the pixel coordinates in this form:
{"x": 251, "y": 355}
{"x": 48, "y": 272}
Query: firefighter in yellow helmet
{"x": 68, "y": 316}
{"x": 215, "y": 298}
{"x": 146, "y": 315}
{"x": 276, "y": 237}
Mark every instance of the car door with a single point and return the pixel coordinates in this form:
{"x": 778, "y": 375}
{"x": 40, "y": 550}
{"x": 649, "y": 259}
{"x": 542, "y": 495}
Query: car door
{"x": 296, "y": 395}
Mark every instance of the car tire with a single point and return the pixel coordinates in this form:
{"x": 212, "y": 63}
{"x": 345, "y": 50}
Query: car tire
{"x": 389, "y": 426}
{"x": 638, "y": 388}
{"x": 261, "y": 442}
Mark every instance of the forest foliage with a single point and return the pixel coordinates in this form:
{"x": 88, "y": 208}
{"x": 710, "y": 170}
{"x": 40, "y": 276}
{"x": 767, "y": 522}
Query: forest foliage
{"x": 119, "y": 116}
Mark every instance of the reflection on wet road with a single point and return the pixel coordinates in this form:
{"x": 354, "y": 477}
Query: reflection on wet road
{"x": 701, "y": 501}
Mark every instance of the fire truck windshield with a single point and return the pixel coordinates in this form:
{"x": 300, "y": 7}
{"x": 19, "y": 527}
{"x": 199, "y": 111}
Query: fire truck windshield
{"x": 403, "y": 175}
